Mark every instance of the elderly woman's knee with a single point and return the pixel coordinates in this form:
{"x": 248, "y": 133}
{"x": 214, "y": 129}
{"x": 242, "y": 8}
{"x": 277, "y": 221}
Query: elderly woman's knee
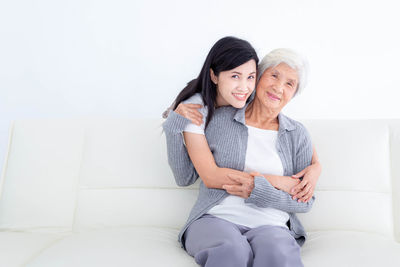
{"x": 228, "y": 253}
{"x": 237, "y": 253}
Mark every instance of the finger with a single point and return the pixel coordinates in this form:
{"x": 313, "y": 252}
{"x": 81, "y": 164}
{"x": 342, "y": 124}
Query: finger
{"x": 242, "y": 177}
{"x": 235, "y": 178}
{"x": 255, "y": 174}
{"x": 299, "y": 174}
{"x": 303, "y": 193}
{"x": 188, "y": 115}
{"x": 299, "y": 187}
{"x": 232, "y": 187}
{"x": 307, "y": 197}
{"x": 194, "y": 114}
{"x": 197, "y": 113}
{"x": 193, "y": 119}
{"x": 189, "y": 105}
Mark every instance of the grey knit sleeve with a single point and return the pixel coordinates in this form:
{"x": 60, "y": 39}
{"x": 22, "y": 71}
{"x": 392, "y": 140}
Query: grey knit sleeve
{"x": 178, "y": 158}
{"x": 264, "y": 195}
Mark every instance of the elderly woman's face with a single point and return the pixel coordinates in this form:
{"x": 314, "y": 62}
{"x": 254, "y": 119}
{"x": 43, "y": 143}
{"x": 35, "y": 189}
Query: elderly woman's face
{"x": 277, "y": 86}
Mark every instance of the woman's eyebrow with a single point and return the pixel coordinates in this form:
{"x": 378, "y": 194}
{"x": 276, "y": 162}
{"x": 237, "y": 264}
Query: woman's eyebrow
{"x": 241, "y": 73}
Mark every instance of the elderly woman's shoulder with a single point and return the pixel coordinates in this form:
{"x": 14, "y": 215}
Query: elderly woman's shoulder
{"x": 292, "y": 124}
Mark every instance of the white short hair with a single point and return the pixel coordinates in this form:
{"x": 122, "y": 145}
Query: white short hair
{"x": 289, "y": 57}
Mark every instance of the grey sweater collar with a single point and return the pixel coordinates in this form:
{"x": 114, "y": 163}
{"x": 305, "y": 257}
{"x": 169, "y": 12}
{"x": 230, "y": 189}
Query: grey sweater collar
{"x": 285, "y": 124}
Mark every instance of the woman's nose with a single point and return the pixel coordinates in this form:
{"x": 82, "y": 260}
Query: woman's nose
{"x": 278, "y": 86}
{"x": 243, "y": 86}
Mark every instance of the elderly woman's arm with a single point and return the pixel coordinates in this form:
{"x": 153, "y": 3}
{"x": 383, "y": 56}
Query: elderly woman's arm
{"x": 265, "y": 195}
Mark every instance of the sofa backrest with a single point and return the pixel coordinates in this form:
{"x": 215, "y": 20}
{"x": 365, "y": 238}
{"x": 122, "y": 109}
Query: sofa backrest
{"x": 78, "y": 174}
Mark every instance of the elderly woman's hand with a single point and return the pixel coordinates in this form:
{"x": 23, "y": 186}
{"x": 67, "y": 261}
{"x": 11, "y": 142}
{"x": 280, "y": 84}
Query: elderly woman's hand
{"x": 305, "y": 189}
{"x": 245, "y": 187}
{"x": 190, "y": 111}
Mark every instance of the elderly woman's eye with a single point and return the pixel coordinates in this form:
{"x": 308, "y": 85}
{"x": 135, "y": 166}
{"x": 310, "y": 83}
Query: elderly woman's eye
{"x": 290, "y": 84}
{"x": 274, "y": 75}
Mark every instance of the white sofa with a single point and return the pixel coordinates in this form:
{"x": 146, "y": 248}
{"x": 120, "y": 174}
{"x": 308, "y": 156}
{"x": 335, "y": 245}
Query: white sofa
{"x": 99, "y": 192}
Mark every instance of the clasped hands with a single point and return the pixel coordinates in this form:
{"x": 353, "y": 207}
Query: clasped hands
{"x": 300, "y": 190}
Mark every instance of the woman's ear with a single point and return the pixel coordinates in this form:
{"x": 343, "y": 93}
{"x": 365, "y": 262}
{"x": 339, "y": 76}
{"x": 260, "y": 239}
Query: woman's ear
{"x": 214, "y": 78}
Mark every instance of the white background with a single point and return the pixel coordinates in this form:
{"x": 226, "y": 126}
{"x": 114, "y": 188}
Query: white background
{"x": 125, "y": 58}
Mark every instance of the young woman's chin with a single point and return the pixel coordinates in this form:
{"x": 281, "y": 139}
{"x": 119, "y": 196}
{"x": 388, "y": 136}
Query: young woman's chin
{"x": 238, "y": 104}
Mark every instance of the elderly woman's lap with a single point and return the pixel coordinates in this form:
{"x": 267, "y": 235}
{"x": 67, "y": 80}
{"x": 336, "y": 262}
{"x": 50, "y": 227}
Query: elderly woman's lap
{"x": 216, "y": 242}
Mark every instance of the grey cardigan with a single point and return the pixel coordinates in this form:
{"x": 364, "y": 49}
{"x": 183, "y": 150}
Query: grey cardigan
{"x": 227, "y": 137}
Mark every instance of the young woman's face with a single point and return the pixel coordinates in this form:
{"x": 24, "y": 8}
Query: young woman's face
{"x": 236, "y": 85}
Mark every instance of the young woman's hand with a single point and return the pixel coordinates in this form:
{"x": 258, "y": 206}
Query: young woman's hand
{"x": 305, "y": 189}
{"x": 286, "y": 183}
{"x": 245, "y": 184}
{"x": 190, "y": 111}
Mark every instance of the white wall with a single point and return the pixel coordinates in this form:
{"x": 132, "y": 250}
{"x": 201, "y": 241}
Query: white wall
{"x": 129, "y": 59}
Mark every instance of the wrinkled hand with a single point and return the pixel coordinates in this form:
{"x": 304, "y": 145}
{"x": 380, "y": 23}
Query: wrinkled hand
{"x": 190, "y": 111}
{"x": 245, "y": 187}
{"x": 287, "y": 183}
{"x": 305, "y": 189}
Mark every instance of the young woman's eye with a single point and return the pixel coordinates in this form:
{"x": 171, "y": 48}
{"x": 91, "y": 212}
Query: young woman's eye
{"x": 251, "y": 77}
{"x": 235, "y": 76}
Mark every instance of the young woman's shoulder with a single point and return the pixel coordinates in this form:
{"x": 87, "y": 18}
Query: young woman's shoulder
{"x": 194, "y": 99}
{"x": 191, "y": 127}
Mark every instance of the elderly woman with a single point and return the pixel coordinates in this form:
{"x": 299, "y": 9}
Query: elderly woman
{"x": 251, "y": 222}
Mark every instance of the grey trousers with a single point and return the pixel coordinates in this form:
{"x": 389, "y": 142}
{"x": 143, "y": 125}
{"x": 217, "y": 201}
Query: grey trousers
{"x": 215, "y": 242}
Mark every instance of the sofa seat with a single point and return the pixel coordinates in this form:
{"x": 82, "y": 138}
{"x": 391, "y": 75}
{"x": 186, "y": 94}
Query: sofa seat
{"x": 122, "y": 246}
{"x": 349, "y": 249}
{"x": 18, "y": 248}
{"x": 153, "y": 246}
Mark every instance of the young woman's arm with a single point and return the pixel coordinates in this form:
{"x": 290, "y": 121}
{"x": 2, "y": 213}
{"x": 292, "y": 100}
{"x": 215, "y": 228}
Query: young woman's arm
{"x": 184, "y": 172}
{"x": 203, "y": 161}
{"x": 305, "y": 190}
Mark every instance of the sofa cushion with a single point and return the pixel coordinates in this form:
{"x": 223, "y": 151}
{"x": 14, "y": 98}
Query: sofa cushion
{"x": 355, "y": 187}
{"x": 163, "y": 207}
{"x": 349, "y": 249}
{"x": 116, "y": 247}
{"x": 125, "y": 153}
{"x": 18, "y": 248}
{"x": 41, "y": 178}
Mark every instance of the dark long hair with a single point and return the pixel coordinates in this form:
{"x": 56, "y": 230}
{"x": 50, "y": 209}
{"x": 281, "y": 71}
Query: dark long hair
{"x": 226, "y": 54}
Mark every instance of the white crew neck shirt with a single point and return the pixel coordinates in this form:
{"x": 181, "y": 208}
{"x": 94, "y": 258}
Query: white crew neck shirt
{"x": 261, "y": 156}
